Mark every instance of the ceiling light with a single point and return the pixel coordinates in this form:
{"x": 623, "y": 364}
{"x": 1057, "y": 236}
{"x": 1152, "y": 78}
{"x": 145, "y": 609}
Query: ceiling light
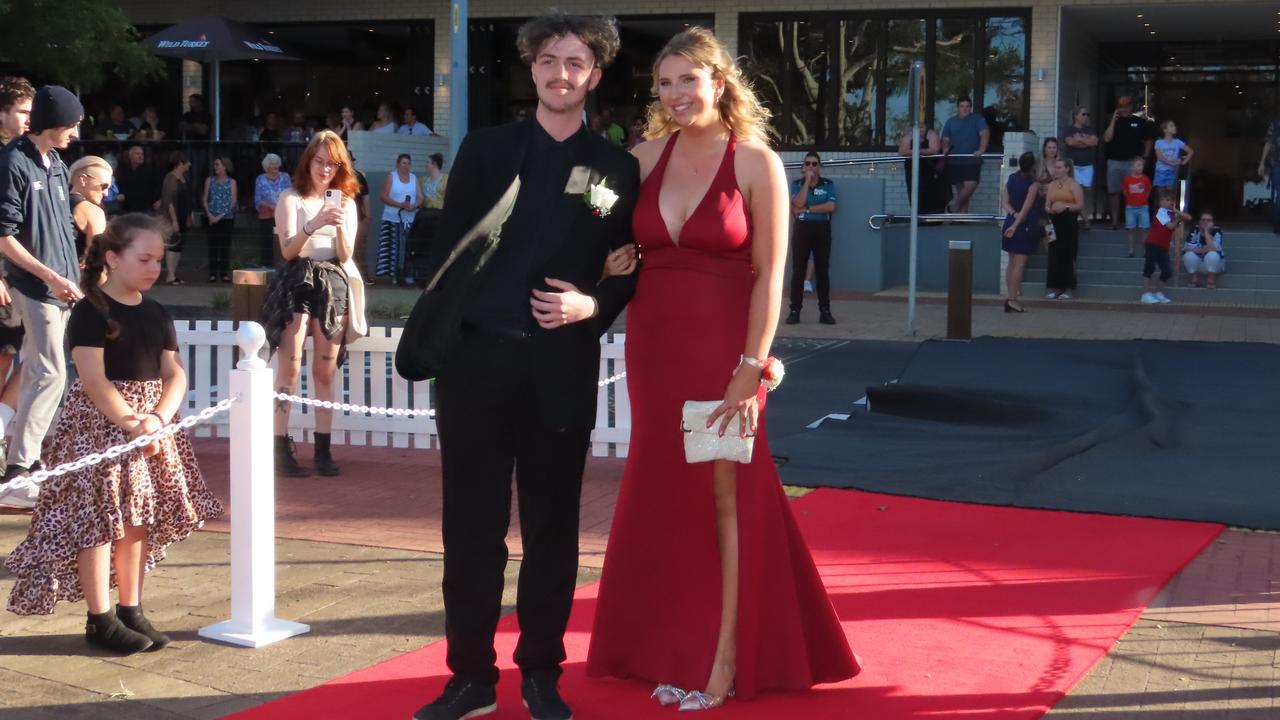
{"x": 1140, "y": 14}
{"x": 1153, "y": 32}
{"x": 1146, "y": 24}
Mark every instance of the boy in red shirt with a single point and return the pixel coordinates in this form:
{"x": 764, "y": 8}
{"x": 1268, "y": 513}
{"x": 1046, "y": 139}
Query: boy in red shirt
{"x": 1168, "y": 224}
{"x": 1137, "y": 191}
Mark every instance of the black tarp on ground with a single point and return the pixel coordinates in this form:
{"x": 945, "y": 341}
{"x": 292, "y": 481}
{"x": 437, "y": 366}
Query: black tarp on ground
{"x": 1161, "y": 429}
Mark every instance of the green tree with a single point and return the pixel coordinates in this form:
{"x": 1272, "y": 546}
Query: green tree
{"x": 75, "y": 43}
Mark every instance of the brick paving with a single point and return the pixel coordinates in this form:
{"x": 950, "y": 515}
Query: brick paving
{"x": 359, "y": 561}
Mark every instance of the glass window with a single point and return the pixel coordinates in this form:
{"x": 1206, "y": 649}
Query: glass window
{"x": 859, "y": 66}
{"x": 859, "y": 98}
{"x": 764, "y": 66}
{"x": 791, "y": 64}
{"x": 1004, "y": 76}
{"x": 953, "y": 71}
{"x": 806, "y": 47}
{"x": 906, "y": 41}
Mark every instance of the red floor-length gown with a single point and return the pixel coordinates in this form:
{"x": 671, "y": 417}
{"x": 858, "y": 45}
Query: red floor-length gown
{"x": 658, "y": 615}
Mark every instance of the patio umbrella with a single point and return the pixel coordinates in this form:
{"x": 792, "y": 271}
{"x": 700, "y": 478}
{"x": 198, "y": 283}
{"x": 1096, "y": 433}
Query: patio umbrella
{"x": 212, "y": 40}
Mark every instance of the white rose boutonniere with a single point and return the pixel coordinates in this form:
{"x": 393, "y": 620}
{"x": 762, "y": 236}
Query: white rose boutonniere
{"x": 600, "y": 198}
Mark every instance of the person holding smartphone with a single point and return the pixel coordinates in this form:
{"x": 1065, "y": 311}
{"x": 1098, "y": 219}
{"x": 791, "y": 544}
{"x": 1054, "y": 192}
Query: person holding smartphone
{"x": 318, "y": 292}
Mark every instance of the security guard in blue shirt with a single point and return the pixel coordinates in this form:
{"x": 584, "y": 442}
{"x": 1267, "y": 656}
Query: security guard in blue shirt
{"x": 813, "y": 200}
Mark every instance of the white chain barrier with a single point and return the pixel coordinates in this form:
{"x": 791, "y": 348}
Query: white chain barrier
{"x": 393, "y": 412}
{"x": 136, "y": 444}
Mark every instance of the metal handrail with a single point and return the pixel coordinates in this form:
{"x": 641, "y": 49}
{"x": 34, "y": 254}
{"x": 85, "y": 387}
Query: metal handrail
{"x": 880, "y": 160}
{"x": 890, "y": 219}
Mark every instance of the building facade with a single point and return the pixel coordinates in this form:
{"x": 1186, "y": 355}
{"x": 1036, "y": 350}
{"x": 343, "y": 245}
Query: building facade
{"x": 834, "y": 73}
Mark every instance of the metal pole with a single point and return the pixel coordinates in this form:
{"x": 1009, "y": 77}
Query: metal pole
{"x": 458, "y": 69}
{"x": 916, "y": 115}
{"x": 217, "y": 101}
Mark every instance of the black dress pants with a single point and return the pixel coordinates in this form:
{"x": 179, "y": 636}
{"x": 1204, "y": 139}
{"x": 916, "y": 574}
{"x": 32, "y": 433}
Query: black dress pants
{"x": 219, "y": 239}
{"x": 811, "y": 238}
{"x": 1061, "y": 272}
{"x": 488, "y": 427}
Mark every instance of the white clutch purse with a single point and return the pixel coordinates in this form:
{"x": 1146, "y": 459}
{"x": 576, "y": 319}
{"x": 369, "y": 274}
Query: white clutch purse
{"x": 704, "y": 444}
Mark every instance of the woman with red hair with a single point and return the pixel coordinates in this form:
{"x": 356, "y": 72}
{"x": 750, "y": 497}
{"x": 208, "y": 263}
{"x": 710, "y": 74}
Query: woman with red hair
{"x": 318, "y": 291}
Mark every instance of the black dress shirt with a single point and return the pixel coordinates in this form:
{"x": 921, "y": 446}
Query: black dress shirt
{"x": 500, "y": 304}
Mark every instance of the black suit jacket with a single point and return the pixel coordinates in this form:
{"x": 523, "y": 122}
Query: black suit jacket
{"x": 482, "y": 189}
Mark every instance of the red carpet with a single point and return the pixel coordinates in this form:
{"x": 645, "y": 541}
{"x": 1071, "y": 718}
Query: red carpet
{"x": 956, "y": 611}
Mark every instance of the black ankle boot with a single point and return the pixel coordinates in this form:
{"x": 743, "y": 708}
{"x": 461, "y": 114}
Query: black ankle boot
{"x": 323, "y": 459}
{"x": 286, "y": 464}
{"x": 131, "y": 616}
{"x": 106, "y": 631}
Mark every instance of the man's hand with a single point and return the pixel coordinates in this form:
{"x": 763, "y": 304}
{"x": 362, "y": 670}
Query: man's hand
{"x": 5, "y": 297}
{"x": 64, "y": 289}
{"x": 557, "y": 309}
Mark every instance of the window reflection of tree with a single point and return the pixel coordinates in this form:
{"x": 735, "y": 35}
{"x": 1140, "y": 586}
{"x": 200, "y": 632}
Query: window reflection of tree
{"x": 858, "y": 67}
{"x": 906, "y": 45}
{"x": 953, "y": 68}
{"x": 1004, "y": 74}
{"x": 789, "y": 64}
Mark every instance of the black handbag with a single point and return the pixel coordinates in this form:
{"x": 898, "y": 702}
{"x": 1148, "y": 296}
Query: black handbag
{"x": 434, "y": 326}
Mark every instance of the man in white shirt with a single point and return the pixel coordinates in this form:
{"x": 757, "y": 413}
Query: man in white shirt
{"x": 411, "y": 126}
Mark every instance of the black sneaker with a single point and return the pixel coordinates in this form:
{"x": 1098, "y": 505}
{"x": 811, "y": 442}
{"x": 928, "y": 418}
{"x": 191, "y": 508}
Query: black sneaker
{"x": 793, "y": 317}
{"x": 461, "y": 699}
{"x": 826, "y": 318}
{"x": 12, "y": 472}
{"x": 542, "y": 697}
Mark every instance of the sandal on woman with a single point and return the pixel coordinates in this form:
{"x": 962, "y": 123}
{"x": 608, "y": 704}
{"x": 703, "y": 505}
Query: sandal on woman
{"x": 668, "y": 694}
{"x": 698, "y": 700}
{"x": 1193, "y": 280}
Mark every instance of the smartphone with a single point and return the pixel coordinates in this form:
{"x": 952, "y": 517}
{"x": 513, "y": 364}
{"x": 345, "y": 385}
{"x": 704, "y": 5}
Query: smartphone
{"x": 333, "y": 197}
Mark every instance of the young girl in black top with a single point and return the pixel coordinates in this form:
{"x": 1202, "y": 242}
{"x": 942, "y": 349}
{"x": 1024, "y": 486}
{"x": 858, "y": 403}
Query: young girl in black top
{"x": 133, "y": 508}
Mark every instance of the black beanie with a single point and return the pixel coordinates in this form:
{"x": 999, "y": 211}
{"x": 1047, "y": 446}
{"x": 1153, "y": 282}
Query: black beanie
{"x": 55, "y": 107}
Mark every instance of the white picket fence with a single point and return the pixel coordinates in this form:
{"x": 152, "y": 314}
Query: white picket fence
{"x": 207, "y": 349}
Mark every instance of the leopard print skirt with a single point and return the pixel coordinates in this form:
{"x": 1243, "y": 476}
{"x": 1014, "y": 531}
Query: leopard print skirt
{"x": 92, "y": 507}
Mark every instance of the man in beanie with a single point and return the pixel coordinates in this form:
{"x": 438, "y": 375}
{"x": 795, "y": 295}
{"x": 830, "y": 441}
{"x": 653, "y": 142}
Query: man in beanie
{"x": 37, "y": 238}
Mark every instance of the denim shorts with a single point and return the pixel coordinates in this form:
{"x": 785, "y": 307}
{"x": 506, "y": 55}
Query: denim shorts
{"x": 1137, "y": 217}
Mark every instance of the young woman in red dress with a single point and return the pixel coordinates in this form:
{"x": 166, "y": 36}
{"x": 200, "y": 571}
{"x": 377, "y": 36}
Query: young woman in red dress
{"x": 708, "y": 586}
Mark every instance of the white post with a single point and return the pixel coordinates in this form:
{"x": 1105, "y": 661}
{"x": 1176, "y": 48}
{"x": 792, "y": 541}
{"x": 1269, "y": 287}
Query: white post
{"x": 253, "y": 620}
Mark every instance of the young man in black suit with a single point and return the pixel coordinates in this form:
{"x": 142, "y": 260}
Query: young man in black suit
{"x": 510, "y": 326}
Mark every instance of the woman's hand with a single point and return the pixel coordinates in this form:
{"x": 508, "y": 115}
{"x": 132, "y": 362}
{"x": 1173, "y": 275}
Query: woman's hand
{"x": 621, "y": 261}
{"x": 1008, "y": 233}
{"x": 330, "y": 215}
{"x": 740, "y": 401}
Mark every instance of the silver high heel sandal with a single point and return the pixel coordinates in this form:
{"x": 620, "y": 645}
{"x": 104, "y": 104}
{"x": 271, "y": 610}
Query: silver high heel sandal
{"x": 698, "y": 700}
{"x": 668, "y": 694}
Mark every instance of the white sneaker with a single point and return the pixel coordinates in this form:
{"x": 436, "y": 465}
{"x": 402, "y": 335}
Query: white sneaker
{"x": 1052, "y": 295}
{"x": 19, "y": 493}
{"x": 1150, "y": 299}
{"x": 1162, "y": 298}
{"x": 808, "y": 287}
{"x": 1065, "y": 295}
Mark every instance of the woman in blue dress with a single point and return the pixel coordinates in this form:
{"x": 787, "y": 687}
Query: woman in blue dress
{"x": 1022, "y": 227}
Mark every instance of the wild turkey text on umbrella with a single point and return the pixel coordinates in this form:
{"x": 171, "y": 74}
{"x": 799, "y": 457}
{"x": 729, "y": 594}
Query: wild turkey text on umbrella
{"x": 212, "y": 40}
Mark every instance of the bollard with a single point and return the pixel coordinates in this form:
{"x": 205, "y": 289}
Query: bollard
{"x": 960, "y": 290}
{"x": 249, "y": 294}
{"x": 253, "y": 620}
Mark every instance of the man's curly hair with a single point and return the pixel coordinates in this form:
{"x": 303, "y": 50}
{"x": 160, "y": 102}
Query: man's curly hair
{"x": 598, "y": 33}
{"x": 14, "y": 89}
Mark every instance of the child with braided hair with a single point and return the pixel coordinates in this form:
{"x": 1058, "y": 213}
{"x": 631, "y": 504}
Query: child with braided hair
{"x": 108, "y": 525}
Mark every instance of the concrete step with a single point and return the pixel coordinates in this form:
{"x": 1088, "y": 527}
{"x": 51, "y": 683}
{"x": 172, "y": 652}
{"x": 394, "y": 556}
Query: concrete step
{"x": 1271, "y": 254}
{"x": 1131, "y": 292}
{"x": 1132, "y": 276}
{"x": 1126, "y": 264}
{"x": 1232, "y": 240}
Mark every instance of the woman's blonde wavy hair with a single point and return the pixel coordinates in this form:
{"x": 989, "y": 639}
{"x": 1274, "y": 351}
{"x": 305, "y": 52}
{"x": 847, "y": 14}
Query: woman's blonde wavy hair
{"x": 740, "y": 110}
